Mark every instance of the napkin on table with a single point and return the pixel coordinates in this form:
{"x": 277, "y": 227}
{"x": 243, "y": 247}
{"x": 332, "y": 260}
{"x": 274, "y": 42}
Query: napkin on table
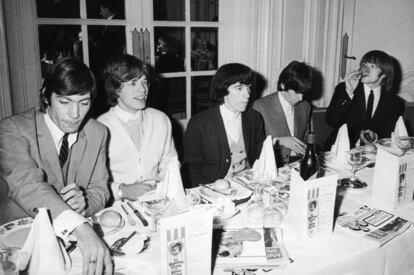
{"x": 42, "y": 253}
{"x": 400, "y": 129}
{"x": 266, "y": 164}
{"x": 172, "y": 186}
{"x": 341, "y": 145}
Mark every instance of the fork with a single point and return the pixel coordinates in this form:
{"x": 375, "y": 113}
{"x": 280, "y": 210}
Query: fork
{"x": 131, "y": 220}
{"x": 116, "y": 246}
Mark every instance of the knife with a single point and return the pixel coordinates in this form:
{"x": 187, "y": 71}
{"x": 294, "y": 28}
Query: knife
{"x": 138, "y": 214}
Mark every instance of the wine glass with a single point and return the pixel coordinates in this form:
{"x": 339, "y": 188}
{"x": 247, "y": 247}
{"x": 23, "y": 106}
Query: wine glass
{"x": 355, "y": 158}
{"x": 405, "y": 143}
{"x": 155, "y": 206}
{"x": 272, "y": 215}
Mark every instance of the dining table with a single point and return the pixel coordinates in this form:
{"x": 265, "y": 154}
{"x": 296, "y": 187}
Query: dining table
{"x": 340, "y": 253}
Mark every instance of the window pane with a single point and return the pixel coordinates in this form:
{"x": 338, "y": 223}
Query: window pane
{"x": 169, "y": 49}
{"x": 200, "y": 94}
{"x": 204, "y": 49}
{"x": 204, "y": 10}
{"x": 169, "y": 97}
{"x": 57, "y": 41}
{"x": 98, "y": 9}
{"x": 104, "y": 42}
{"x": 169, "y": 10}
{"x": 58, "y": 9}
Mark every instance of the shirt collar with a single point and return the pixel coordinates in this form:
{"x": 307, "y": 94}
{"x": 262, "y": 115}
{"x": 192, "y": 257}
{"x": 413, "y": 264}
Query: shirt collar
{"x": 367, "y": 90}
{"x": 57, "y": 134}
{"x": 287, "y": 108}
{"x": 227, "y": 114}
{"x": 126, "y": 116}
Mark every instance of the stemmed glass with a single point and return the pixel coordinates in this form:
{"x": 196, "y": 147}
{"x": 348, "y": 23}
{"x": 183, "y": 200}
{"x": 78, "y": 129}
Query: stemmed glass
{"x": 255, "y": 207}
{"x": 272, "y": 215}
{"x": 155, "y": 206}
{"x": 405, "y": 143}
{"x": 355, "y": 158}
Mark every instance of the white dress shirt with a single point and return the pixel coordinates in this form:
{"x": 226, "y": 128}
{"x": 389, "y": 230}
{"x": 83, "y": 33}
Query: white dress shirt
{"x": 232, "y": 123}
{"x": 377, "y": 94}
{"x": 289, "y": 113}
{"x": 68, "y": 220}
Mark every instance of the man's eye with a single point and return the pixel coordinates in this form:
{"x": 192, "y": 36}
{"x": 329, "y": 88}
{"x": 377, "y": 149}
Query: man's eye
{"x": 85, "y": 103}
{"x": 63, "y": 102}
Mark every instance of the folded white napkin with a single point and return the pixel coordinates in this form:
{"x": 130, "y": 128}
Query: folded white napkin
{"x": 42, "y": 252}
{"x": 400, "y": 129}
{"x": 172, "y": 186}
{"x": 266, "y": 164}
{"x": 341, "y": 145}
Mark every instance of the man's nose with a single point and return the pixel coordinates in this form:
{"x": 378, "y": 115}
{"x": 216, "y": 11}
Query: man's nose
{"x": 74, "y": 111}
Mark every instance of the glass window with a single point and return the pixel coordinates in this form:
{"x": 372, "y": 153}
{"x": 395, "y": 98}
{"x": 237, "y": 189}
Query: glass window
{"x": 204, "y": 49}
{"x": 105, "y": 9}
{"x": 58, "y": 9}
{"x": 104, "y": 42}
{"x": 57, "y": 41}
{"x": 204, "y": 10}
{"x": 200, "y": 94}
{"x": 169, "y": 49}
{"x": 169, "y": 10}
{"x": 169, "y": 96}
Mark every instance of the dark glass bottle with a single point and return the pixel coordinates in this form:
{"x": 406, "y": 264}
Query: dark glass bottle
{"x": 309, "y": 164}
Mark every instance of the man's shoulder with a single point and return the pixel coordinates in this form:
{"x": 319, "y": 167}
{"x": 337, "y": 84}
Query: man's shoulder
{"x": 94, "y": 128}
{"x": 205, "y": 118}
{"x": 156, "y": 114}
{"x": 22, "y": 120}
{"x": 265, "y": 100}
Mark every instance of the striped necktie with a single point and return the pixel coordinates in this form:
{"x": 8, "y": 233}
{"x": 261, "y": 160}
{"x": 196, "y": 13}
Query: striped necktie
{"x": 64, "y": 150}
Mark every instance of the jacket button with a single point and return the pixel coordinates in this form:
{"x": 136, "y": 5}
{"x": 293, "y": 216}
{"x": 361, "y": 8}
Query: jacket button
{"x": 35, "y": 210}
{"x": 227, "y": 160}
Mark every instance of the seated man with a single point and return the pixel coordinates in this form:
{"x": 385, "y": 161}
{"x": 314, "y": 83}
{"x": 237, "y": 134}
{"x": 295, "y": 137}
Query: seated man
{"x": 366, "y": 100}
{"x": 286, "y": 114}
{"x": 55, "y": 158}
{"x": 141, "y": 143}
{"x": 225, "y": 139}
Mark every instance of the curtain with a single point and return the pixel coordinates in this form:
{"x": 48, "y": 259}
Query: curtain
{"x": 6, "y": 108}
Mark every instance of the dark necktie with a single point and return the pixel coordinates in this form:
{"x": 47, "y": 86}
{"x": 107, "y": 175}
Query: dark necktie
{"x": 370, "y": 106}
{"x": 64, "y": 150}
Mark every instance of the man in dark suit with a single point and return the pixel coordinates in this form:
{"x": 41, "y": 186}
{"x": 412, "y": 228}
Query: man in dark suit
{"x": 225, "y": 139}
{"x": 286, "y": 113}
{"x": 56, "y": 158}
{"x": 366, "y": 100}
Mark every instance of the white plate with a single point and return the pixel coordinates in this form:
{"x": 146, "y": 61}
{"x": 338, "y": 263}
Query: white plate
{"x": 110, "y": 230}
{"x": 240, "y": 194}
{"x": 14, "y": 234}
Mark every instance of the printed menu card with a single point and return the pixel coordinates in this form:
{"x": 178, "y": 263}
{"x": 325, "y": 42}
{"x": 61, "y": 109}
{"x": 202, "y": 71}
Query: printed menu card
{"x": 186, "y": 241}
{"x": 311, "y": 206}
{"x": 393, "y": 182}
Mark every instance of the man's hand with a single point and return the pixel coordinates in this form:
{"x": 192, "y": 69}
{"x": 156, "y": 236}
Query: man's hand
{"x": 293, "y": 144}
{"x": 135, "y": 190}
{"x": 74, "y": 197}
{"x": 96, "y": 256}
{"x": 351, "y": 82}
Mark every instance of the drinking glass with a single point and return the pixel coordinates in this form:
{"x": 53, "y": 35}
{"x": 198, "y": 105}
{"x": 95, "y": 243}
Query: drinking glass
{"x": 405, "y": 143}
{"x": 8, "y": 261}
{"x": 355, "y": 158}
{"x": 256, "y": 206}
{"x": 272, "y": 215}
{"x": 155, "y": 207}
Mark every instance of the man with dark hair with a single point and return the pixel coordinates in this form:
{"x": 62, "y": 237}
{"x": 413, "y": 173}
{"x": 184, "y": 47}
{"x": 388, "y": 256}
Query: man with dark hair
{"x": 55, "y": 158}
{"x": 141, "y": 144}
{"x": 365, "y": 101}
{"x": 226, "y": 139}
{"x": 286, "y": 114}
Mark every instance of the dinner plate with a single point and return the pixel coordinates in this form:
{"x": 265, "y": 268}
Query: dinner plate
{"x": 385, "y": 142}
{"x": 241, "y": 193}
{"x": 14, "y": 234}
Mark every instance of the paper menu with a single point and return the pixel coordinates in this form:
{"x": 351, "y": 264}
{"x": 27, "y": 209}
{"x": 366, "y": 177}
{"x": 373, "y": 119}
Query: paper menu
{"x": 311, "y": 206}
{"x": 393, "y": 181}
{"x": 186, "y": 243}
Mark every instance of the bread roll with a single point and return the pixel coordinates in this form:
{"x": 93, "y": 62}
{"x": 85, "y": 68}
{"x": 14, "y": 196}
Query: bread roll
{"x": 110, "y": 218}
{"x": 221, "y": 185}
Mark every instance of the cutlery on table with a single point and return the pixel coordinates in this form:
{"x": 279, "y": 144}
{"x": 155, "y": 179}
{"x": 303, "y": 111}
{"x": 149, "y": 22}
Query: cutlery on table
{"x": 232, "y": 191}
{"x": 138, "y": 214}
{"x": 116, "y": 246}
{"x": 129, "y": 217}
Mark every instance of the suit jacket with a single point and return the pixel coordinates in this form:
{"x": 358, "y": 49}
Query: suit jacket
{"x": 30, "y": 173}
{"x": 206, "y": 149}
{"x": 276, "y": 123}
{"x": 342, "y": 110}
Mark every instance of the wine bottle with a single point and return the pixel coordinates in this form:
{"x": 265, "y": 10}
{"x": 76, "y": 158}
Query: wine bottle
{"x": 309, "y": 164}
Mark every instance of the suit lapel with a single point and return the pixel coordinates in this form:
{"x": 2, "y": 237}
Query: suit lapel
{"x": 47, "y": 150}
{"x": 76, "y": 154}
{"x": 221, "y": 130}
{"x": 280, "y": 115}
